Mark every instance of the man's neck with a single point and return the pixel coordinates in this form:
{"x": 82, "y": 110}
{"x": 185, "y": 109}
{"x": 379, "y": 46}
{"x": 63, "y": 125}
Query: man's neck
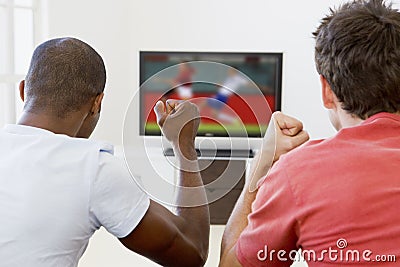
{"x": 68, "y": 126}
{"x": 349, "y": 120}
{"x": 342, "y": 119}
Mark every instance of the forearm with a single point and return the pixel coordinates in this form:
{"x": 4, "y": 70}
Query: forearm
{"x": 283, "y": 134}
{"x": 238, "y": 219}
{"x": 192, "y": 199}
{"x": 186, "y": 235}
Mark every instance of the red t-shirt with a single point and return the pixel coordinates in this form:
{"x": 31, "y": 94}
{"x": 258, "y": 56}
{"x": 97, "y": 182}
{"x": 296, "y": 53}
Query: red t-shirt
{"x": 335, "y": 199}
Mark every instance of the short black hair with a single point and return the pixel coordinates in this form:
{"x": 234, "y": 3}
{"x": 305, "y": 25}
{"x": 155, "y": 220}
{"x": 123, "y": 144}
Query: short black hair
{"x": 358, "y": 52}
{"x": 64, "y": 74}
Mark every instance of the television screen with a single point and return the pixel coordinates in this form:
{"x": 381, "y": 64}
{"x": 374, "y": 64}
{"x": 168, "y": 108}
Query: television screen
{"x": 236, "y": 92}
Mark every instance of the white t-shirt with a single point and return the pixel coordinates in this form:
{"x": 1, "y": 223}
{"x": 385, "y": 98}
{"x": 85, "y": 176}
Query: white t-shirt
{"x": 55, "y": 192}
{"x": 232, "y": 84}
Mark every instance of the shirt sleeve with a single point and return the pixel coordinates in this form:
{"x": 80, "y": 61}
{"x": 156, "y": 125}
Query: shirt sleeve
{"x": 271, "y": 234}
{"x": 116, "y": 201}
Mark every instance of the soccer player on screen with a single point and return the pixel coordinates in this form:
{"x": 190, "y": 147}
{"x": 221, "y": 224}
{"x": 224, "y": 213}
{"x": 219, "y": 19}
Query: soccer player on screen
{"x": 181, "y": 84}
{"x": 233, "y": 82}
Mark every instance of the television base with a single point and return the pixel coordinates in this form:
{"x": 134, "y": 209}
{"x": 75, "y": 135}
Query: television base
{"x": 217, "y": 153}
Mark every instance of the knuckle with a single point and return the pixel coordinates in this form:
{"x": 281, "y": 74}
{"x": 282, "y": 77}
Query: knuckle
{"x": 276, "y": 115}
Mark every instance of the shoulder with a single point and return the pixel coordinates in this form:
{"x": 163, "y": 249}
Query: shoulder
{"x": 98, "y": 156}
{"x": 298, "y": 160}
{"x": 307, "y": 151}
{"x": 307, "y": 168}
{"x": 101, "y": 146}
{"x": 81, "y": 145}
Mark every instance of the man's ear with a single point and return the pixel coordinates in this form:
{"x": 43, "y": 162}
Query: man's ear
{"x": 22, "y": 90}
{"x": 328, "y": 97}
{"x": 96, "y": 107}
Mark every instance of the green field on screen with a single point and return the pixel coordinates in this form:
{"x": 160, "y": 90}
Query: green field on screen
{"x": 216, "y": 129}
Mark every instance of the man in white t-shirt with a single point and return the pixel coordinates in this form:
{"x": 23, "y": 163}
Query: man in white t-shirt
{"x": 57, "y": 187}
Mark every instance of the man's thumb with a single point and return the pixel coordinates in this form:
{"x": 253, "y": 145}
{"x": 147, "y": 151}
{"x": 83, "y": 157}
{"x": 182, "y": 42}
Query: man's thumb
{"x": 159, "y": 110}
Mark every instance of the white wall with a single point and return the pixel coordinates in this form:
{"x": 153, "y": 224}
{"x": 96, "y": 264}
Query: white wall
{"x": 119, "y": 29}
{"x": 107, "y": 26}
{"x": 244, "y": 26}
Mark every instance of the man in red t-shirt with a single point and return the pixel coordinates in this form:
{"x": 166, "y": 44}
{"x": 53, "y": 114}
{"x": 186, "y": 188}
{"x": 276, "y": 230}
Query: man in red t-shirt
{"x": 336, "y": 199}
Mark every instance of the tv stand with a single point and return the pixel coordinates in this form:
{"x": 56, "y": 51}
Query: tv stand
{"x": 227, "y": 166}
{"x": 221, "y": 209}
{"x": 224, "y": 154}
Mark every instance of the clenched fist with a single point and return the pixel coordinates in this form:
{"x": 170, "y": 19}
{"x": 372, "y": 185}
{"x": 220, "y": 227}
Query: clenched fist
{"x": 178, "y": 120}
{"x": 284, "y": 133}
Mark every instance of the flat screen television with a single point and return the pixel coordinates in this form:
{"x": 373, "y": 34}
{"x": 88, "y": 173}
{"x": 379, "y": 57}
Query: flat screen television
{"x": 236, "y": 92}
